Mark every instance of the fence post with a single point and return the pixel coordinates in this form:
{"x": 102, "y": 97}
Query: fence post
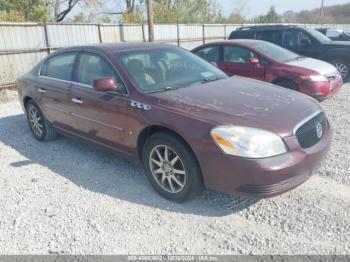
{"x": 178, "y": 34}
{"x": 225, "y": 28}
{"x": 203, "y": 33}
{"x": 47, "y": 43}
{"x": 99, "y": 33}
{"x": 143, "y": 33}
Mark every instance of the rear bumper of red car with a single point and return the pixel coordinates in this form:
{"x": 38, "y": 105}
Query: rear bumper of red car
{"x": 263, "y": 178}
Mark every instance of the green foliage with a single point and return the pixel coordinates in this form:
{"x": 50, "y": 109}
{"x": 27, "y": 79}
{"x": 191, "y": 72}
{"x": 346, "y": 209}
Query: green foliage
{"x": 337, "y": 14}
{"x": 185, "y": 11}
{"x": 173, "y": 11}
{"x": 270, "y": 17}
{"x": 136, "y": 16}
{"x": 23, "y": 10}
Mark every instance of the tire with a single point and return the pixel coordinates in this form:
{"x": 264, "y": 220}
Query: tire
{"x": 288, "y": 84}
{"x": 163, "y": 175}
{"x": 342, "y": 66}
{"x": 37, "y": 122}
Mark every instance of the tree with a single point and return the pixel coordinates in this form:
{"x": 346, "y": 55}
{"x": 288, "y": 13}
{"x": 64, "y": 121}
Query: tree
{"x": 23, "y": 10}
{"x": 172, "y": 11}
{"x": 130, "y": 6}
{"x": 270, "y": 17}
{"x": 68, "y": 7}
{"x": 185, "y": 11}
{"x": 63, "y": 7}
{"x": 289, "y": 17}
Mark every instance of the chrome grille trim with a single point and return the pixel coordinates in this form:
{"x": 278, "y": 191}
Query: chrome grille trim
{"x": 304, "y": 121}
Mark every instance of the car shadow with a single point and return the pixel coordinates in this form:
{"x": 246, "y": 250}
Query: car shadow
{"x": 104, "y": 172}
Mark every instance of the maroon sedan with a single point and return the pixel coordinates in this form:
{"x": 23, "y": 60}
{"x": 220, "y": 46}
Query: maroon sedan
{"x": 271, "y": 63}
{"x": 190, "y": 124}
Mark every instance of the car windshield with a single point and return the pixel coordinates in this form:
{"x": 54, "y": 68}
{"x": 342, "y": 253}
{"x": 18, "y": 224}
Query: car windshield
{"x": 318, "y": 35}
{"x": 167, "y": 68}
{"x": 275, "y": 52}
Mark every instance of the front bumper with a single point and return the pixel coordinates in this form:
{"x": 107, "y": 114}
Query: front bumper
{"x": 262, "y": 178}
{"x": 322, "y": 90}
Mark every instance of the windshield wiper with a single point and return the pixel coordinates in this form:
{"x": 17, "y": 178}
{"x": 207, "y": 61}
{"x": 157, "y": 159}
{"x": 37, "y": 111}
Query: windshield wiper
{"x": 211, "y": 79}
{"x": 168, "y": 88}
{"x": 171, "y": 88}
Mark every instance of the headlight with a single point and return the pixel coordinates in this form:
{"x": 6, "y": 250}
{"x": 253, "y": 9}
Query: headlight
{"x": 315, "y": 78}
{"x": 248, "y": 142}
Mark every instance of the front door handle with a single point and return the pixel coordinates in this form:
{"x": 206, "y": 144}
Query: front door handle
{"x": 77, "y": 100}
{"x": 42, "y": 90}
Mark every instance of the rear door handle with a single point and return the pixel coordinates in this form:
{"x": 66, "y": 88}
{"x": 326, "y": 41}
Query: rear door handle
{"x": 41, "y": 90}
{"x": 77, "y": 100}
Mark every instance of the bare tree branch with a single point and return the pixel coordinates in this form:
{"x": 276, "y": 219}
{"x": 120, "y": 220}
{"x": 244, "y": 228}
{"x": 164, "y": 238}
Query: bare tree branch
{"x": 60, "y": 15}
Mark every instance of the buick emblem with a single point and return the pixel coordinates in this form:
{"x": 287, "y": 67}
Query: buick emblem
{"x": 319, "y": 130}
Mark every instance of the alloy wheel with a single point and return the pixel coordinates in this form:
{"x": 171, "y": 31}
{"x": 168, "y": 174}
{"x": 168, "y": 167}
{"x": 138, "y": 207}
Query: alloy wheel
{"x": 36, "y": 122}
{"x": 167, "y": 169}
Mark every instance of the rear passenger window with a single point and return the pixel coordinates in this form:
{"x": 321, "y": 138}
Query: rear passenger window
{"x": 60, "y": 66}
{"x": 211, "y": 54}
{"x": 242, "y": 34}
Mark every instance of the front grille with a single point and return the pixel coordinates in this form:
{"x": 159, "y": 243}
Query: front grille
{"x": 310, "y": 133}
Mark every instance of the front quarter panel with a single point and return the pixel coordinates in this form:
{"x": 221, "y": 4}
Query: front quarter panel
{"x": 194, "y": 131}
{"x": 336, "y": 52}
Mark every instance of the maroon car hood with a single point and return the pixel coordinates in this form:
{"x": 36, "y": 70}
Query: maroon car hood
{"x": 240, "y": 101}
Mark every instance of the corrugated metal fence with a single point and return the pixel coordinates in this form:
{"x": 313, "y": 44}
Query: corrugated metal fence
{"x": 22, "y": 45}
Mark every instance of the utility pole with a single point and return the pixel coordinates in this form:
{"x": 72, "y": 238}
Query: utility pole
{"x": 322, "y": 9}
{"x": 150, "y": 20}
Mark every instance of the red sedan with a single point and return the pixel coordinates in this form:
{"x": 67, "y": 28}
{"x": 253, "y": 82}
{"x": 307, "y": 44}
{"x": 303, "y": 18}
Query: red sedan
{"x": 190, "y": 124}
{"x": 271, "y": 63}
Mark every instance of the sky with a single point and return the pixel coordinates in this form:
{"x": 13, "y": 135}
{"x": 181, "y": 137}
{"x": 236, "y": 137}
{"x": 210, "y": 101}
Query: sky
{"x": 258, "y": 7}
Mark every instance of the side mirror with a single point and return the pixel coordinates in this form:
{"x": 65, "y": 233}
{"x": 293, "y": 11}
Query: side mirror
{"x": 214, "y": 63}
{"x": 254, "y": 61}
{"x": 105, "y": 85}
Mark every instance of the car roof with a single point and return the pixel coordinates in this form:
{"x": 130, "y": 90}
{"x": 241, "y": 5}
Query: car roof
{"x": 239, "y": 42}
{"x": 265, "y": 27}
{"x": 118, "y": 47}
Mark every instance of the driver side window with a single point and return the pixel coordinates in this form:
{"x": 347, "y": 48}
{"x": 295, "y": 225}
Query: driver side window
{"x": 295, "y": 39}
{"x": 235, "y": 54}
{"x": 92, "y": 67}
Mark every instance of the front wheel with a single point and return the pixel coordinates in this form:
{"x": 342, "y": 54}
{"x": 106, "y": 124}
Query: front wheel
{"x": 342, "y": 67}
{"x": 171, "y": 167}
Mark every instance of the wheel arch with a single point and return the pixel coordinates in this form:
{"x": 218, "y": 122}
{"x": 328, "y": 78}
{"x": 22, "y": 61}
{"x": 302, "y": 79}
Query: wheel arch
{"x": 147, "y": 132}
{"x": 281, "y": 79}
{"x": 26, "y": 100}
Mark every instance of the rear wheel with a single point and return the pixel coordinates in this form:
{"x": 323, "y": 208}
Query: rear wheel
{"x": 171, "y": 168}
{"x": 288, "y": 84}
{"x": 342, "y": 67}
{"x": 40, "y": 127}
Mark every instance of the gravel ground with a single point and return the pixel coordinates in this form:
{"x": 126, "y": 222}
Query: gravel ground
{"x": 68, "y": 197}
